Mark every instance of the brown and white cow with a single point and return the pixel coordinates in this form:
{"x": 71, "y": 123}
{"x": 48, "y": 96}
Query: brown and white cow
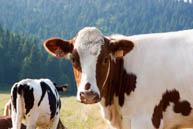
{"x": 140, "y": 82}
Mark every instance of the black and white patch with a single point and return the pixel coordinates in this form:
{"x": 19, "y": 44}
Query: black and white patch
{"x": 51, "y": 98}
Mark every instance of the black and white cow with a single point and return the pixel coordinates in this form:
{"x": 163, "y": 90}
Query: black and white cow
{"x": 36, "y": 103}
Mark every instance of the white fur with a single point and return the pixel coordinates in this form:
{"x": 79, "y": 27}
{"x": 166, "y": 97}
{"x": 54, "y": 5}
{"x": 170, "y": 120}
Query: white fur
{"x": 88, "y": 45}
{"x": 39, "y": 116}
{"x": 162, "y": 61}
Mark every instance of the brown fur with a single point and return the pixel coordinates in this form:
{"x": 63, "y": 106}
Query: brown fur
{"x": 6, "y": 123}
{"x": 168, "y": 97}
{"x": 76, "y": 66}
{"x": 119, "y": 81}
{"x": 58, "y": 47}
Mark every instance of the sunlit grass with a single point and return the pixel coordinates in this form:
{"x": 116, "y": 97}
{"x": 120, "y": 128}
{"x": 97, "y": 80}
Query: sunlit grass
{"x": 79, "y": 116}
{"x": 73, "y": 114}
{"x": 4, "y": 98}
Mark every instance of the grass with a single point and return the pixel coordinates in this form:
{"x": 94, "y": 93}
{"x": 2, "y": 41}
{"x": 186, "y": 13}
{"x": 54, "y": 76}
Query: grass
{"x": 73, "y": 114}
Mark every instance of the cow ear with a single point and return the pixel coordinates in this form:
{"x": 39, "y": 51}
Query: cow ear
{"x": 64, "y": 89}
{"x": 120, "y": 48}
{"x": 59, "y": 47}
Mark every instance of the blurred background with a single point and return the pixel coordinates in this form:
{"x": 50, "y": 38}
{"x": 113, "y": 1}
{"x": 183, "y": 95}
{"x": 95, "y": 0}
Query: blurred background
{"x": 25, "y": 24}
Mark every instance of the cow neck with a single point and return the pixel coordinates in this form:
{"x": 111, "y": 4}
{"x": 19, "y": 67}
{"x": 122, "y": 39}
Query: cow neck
{"x": 107, "y": 75}
{"x": 118, "y": 83}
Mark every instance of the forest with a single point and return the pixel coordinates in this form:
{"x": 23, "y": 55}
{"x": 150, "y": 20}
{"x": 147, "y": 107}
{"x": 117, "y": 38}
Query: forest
{"x": 22, "y": 57}
{"x": 25, "y": 24}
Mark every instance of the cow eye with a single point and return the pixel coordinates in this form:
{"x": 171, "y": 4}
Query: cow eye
{"x": 72, "y": 59}
{"x": 106, "y": 59}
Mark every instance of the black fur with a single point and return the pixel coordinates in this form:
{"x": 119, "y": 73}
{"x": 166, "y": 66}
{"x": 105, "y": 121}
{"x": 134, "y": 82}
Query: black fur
{"x": 28, "y": 96}
{"x": 52, "y": 98}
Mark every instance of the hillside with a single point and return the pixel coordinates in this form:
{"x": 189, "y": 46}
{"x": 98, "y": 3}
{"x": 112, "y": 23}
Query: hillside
{"x": 33, "y": 21}
{"x": 21, "y": 57}
{"x": 48, "y": 18}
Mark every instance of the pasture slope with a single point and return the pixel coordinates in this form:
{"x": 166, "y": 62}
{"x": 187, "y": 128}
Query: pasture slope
{"x": 73, "y": 114}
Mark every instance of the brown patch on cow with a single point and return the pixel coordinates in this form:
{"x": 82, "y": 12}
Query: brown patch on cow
{"x": 75, "y": 59}
{"x": 119, "y": 82}
{"x": 168, "y": 97}
{"x": 6, "y": 123}
{"x": 122, "y": 47}
{"x": 102, "y": 66}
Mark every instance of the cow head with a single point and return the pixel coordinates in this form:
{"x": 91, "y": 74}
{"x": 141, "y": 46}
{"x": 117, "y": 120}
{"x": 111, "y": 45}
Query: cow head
{"x": 91, "y": 55}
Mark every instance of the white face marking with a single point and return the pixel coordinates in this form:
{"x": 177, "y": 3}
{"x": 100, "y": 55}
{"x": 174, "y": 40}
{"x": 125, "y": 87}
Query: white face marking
{"x": 88, "y": 45}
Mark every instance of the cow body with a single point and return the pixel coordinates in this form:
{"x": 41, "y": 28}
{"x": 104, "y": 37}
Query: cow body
{"x": 140, "y": 82}
{"x": 163, "y": 70}
{"x": 36, "y": 103}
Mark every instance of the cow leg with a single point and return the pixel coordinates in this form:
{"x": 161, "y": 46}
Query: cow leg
{"x": 55, "y": 123}
{"x": 7, "y": 108}
{"x": 15, "y": 123}
{"x": 13, "y": 118}
{"x": 31, "y": 120}
{"x": 17, "y": 116}
{"x": 60, "y": 125}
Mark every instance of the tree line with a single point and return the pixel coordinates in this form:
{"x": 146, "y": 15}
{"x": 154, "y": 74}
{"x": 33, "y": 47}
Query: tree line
{"x": 64, "y": 18}
{"x": 22, "y": 57}
{"x": 27, "y": 23}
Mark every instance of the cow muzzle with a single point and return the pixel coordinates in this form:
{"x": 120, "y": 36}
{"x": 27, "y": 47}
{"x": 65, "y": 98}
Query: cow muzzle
{"x": 89, "y": 97}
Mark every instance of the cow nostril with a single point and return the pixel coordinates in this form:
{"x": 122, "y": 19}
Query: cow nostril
{"x": 81, "y": 94}
{"x": 87, "y": 86}
{"x": 96, "y": 98}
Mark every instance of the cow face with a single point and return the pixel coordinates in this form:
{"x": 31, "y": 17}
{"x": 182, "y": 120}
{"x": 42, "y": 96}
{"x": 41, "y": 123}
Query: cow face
{"x": 91, "y": 54}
